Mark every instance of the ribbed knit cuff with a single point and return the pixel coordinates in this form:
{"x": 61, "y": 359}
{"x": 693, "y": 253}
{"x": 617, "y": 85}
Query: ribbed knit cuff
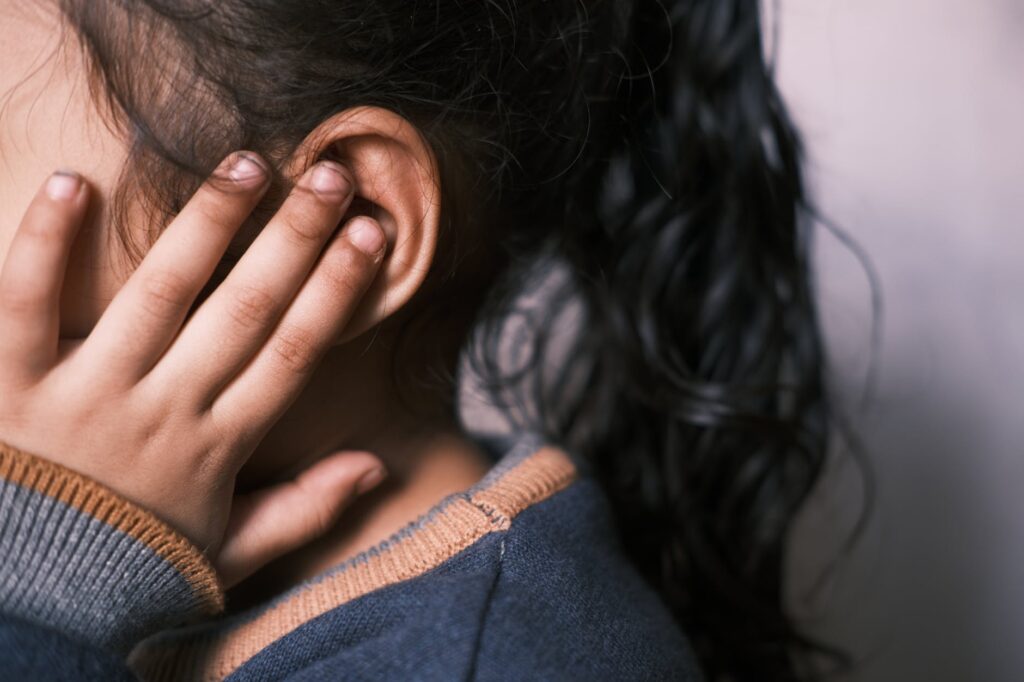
{"x": 76, "y": 556}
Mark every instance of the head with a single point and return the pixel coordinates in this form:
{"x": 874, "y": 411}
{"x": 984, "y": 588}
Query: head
{"x": 641, "y": 144}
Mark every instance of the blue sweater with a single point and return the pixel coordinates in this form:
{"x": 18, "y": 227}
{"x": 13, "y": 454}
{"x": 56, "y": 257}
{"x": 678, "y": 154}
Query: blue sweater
{"x": 517, "y": 578}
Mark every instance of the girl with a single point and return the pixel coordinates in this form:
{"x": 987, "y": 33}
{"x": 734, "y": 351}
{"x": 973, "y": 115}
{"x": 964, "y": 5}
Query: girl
{"x": 188, "y": 414}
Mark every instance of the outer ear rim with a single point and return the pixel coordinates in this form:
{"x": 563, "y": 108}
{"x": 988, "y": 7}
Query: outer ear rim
{"x": 371, "y": 134}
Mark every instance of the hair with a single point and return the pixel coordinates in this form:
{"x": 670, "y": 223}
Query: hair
{"x": 642, "y": 145}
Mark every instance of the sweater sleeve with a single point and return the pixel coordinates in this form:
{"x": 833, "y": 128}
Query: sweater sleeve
{"x": 81, "y": 560}
{"x": 30, "y": 651}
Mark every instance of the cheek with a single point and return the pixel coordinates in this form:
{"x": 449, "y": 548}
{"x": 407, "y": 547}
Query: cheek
{"x": 97, "y": 264}
{"x": 48, "y": 121}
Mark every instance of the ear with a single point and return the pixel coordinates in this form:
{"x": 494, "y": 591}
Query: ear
{"x": 397, "y": 184}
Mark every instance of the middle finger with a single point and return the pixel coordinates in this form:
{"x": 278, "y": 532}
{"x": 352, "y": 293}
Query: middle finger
{"x": 233, "y": 323}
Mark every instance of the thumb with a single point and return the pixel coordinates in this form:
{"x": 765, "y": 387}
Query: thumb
{"x": 268, "y": 523}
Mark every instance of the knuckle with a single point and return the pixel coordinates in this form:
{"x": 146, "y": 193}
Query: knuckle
{"x": 322, "y": 519}
{"x": 19, "y": 300}
{"x": 251, "y": 307}
{"x": 164, "y": 294}
{"x": 228, "y": 426}
{"x": 304, "y": 230}
{"x": 211, "y": 214}
{"x": 348, "y": 270}
{"x": 210, "y": 467}
{"x": 49, "y": 232}
{"x": 221, "y": 205}
{"x": 296, "y": 350}
{"x": 322, "y": 513}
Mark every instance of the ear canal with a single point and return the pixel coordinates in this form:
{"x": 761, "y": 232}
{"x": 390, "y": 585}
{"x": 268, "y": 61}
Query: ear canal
{"x": 360, "y": 205}
{"x": 397, "y": 184}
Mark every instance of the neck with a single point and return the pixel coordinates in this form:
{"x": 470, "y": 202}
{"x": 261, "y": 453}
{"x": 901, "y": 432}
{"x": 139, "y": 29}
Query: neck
{"x": 350, "y": 405}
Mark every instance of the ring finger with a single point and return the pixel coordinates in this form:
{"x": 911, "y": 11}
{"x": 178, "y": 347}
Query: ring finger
{"x": 264, "y": 389}
{"x": 234, "y": 322}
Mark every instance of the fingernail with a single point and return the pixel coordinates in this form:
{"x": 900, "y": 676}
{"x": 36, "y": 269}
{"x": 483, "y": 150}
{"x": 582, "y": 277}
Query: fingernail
{"x": 366, "y": 235}
{"x": 63, "y": 185}
{"x": 330, "y": 178}
{"x": 370, "y": 480}
{"x": 246, "y": 170}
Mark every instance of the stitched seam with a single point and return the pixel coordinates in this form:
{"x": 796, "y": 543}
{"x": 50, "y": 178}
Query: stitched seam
{"x": 485, "y": 613}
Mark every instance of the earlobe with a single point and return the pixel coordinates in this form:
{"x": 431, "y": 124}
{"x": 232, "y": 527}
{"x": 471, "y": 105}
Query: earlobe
{"x": 397, "y": 183}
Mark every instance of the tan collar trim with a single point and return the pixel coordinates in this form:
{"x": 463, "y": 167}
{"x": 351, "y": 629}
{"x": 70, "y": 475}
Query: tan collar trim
{"x": 213, "y": 651}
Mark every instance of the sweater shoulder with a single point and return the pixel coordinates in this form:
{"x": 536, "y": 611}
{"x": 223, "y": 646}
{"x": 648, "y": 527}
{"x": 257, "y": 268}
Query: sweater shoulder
{"x": 549, "y": 597}
{"x": 568, "y": 599}
{"x": 517, "y": 578}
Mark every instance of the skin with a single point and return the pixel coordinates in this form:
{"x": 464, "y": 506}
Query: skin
{"x": 141, "y": 385}
{"x": 113, "y": 355}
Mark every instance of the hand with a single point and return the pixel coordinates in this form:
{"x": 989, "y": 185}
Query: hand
{"x": 165, "y": 413}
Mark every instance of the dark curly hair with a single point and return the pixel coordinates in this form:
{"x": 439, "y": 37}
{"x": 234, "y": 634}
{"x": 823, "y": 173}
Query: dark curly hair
{"x": 644, "y": 146}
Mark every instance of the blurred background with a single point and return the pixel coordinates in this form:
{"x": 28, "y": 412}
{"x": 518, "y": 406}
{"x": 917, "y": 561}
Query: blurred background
{"x": 913, "y": 117}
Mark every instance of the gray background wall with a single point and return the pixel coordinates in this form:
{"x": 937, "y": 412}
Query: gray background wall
{"x": 913, "y": 113}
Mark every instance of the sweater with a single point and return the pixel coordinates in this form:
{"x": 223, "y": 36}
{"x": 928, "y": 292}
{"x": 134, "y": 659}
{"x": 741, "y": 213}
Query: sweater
{"x": 519, "y": 577}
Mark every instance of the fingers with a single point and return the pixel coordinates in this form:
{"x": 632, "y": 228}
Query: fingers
{"x": 274, "y": 377}
{"x": 33, "y": 275}
{"x": 267, "y": 524}
{"x": 236, "y": 320}
{"x": 148, "y": 311}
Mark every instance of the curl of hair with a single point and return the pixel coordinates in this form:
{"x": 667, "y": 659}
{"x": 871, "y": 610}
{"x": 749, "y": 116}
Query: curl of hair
{"x": 642, "y": 145}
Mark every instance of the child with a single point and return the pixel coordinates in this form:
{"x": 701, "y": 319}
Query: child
{"x": 179, "y": 443}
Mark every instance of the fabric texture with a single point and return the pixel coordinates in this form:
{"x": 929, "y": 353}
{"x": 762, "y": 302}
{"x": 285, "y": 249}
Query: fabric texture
{"x": 519, "y": 577}
{"x": 79, "y": 558}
